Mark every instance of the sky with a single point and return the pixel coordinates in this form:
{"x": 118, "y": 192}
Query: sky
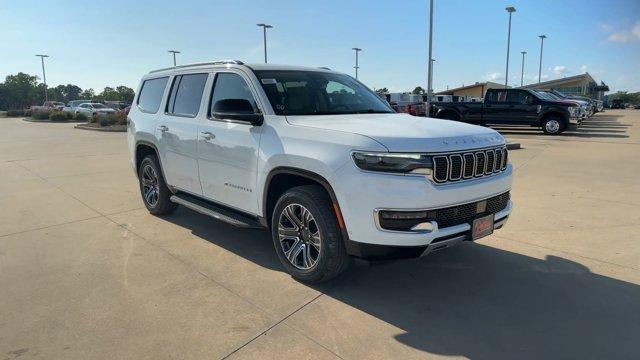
{"x": 109, "y": 43}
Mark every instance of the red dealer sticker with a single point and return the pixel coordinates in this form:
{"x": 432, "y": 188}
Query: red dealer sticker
{"x": 482, "y": 227}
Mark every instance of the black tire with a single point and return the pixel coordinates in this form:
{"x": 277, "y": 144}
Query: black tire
{"x": 332, "y": 257}
{"x": 553, "y": 125}
{"x": 161, "y": 204}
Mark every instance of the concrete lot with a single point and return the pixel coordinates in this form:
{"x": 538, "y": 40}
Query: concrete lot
{"x": 86, "y": 272}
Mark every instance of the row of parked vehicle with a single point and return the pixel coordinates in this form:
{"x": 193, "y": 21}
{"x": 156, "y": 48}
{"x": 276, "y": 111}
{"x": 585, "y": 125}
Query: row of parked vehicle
{"x": 86, "y": 107}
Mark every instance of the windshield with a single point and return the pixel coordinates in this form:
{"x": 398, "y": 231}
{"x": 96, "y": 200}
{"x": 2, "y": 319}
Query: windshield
{"x": 546, "y": 95}
{"x": 318, "y": 93}
{"x": 98, "y": 106}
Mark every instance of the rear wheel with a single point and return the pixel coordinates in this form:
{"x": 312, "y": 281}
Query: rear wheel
{"x": 155, "y": 193}
{"x": 553, "y": 125}
{"x": 306, "y": 235}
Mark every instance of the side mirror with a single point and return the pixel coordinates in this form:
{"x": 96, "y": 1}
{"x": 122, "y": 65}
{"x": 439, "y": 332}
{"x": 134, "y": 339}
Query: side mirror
{"x": 236, "y": 109}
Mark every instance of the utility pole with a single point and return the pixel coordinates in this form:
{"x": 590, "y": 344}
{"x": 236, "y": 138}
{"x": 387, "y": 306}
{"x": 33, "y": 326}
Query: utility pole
{"x": 264, "y": 38}
{"x": 510, "y": 10}
{"x": 430, "y": 59}
{"x": 174, "y": 52}
{"x": 44, "y": 76}
{"x": 542, "y": 37}
{"x": 357, "y": 50}
{"x": 522, "y": 73}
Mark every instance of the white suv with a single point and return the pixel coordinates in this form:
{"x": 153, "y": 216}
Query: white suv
{"x": 318, "y": 158}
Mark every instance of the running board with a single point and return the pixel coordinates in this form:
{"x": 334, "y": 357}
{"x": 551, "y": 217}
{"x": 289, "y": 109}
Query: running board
{"x": 216, "y": 211}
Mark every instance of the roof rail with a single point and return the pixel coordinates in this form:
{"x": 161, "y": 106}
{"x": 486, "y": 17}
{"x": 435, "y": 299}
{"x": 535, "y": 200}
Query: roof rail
{"x": 324, "y": 67}
{"x": 219, "y": 62}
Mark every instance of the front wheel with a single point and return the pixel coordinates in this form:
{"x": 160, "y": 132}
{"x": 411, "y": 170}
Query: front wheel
{"x": 306, "y": 235}
{"x": 553, "y": 126}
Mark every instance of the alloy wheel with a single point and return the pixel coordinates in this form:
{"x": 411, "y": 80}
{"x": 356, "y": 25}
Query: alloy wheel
{"x": 552, "y": 126}
{"x": 299, "y": 236}
{"x": 150, "y": 185}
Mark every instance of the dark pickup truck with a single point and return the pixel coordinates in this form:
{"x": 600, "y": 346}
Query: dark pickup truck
{"x": 513, "y": 107}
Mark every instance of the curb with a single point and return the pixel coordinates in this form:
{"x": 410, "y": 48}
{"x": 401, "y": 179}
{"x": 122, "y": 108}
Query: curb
{"x": 90, "y": 128}
{"x": 513, "y": 146}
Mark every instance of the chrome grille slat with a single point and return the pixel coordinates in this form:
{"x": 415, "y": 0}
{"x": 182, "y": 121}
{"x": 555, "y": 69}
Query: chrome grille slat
{"x": 460, "y": 166}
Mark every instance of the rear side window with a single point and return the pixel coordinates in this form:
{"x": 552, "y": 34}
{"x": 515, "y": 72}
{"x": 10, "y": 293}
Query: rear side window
{"x": 151, "y": 94}
{"x": 186, "y": 94}
{"x": 498, "y": 96}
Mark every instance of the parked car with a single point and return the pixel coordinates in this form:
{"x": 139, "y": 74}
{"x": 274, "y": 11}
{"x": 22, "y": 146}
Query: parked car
{"x": 513, "y": 106}
{"x": 73, "y": 105}
{"x": 407, "y": 103}
{"x": 117, "y": 105}
{"x": 617, "y": 104}
{"x": 550, "y": 95}
{"x": 48, "y": 106}
{"x": 90, "y": 109}
{"x": 332, "y": 174}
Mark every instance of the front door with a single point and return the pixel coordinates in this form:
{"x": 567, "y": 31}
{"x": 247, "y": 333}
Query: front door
{"x": 228, "y": 149}
{"x": 177, "y": 132}
{"x": 522, "y": 107}
{"x": 496, "y": 107}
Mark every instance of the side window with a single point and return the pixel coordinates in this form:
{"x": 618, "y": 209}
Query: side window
{"x": 517, "y": 97}
{"x": 186, "y": 94}
{"x": 229, "y": 86}
{"x": 498, "y": 96}
{"x": 151, "y": 94}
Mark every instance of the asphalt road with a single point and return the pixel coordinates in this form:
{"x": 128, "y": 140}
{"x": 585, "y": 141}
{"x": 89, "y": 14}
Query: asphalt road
{"x": 87, "y": 273}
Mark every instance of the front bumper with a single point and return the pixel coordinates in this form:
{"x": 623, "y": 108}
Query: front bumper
{"x": 576, "y": 120}
{"x": 361, "y": 193}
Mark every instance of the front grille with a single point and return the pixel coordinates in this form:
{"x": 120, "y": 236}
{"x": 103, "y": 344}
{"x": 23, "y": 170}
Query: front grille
{"x": 445, "y": 217}
{"x": 466, "y": 165}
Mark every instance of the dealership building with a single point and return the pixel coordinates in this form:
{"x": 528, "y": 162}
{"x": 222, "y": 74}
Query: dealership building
{"x": 582, "y": 84}
{"x": 476, "y": 90}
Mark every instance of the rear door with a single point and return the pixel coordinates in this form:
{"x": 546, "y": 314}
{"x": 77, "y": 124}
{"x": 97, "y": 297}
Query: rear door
{"x": 496, "y": 107}
{"x": 177, "y": 132}
{"x": 227, "y": 148}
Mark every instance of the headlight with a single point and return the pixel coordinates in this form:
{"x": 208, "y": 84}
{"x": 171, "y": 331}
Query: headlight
{"x": 573, "y": 110}
{"x": 394, "y": 162}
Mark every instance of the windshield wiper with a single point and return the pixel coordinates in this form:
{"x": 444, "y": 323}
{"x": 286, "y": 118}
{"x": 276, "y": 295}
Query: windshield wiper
{"x": 371, "y": 111}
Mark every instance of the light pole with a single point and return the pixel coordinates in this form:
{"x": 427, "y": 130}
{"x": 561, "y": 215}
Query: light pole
{"x": 542, "y": 37}
{"x": 44, "y": 76}
{"x": 430, "y": 85}
{"x": 174, "y": 52}
{"x": 264, "y": 37}
{"x": 522, "y": 73}
{"x": 510, "y": 10}
{"x": 357, "y": 50}
{"x": 430, "y": 65}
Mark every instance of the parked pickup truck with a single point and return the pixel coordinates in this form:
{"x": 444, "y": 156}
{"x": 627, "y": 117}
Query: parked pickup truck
{"x": 514, "y": 107}
{"x": 317, "y": 158}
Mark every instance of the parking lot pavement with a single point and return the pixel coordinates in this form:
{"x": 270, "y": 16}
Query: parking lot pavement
{"x": 86, "y": 272}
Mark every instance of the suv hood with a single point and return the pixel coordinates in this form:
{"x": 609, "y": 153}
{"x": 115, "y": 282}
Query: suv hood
{"x": 403, "y": 132}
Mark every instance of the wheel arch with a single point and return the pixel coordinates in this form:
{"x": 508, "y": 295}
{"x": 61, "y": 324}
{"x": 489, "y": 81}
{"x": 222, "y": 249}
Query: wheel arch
{"x": 282, "y": 178}
{"x": 144, "y": 148}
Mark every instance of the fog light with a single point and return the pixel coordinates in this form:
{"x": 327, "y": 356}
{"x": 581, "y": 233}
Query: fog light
{"x": 403, "y": 215}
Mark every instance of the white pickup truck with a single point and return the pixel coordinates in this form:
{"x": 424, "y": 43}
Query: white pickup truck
{"x": 316, "y": 157}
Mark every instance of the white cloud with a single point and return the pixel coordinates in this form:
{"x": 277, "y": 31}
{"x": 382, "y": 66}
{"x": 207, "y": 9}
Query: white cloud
{"x": 626, "y": 35}
{"x": 584, "y": 68}
{"x": 494, "y": 76}
{"x": 559, "y": 69}
{"x": 605, "y": 27}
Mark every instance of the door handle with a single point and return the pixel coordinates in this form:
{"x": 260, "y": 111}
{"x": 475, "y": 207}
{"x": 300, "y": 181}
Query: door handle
{"x": 207, "y": 135}
{"x": 163, "y": 128}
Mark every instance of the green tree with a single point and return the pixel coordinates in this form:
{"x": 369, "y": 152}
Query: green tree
{"x": 384, "y": 90}
{"x": 126, "y": 93}
{"x": 419, "y": 90}
{"x": 88, "y": 94}
{"x": 72, "y": 92}
{"x": 20, "y": 91}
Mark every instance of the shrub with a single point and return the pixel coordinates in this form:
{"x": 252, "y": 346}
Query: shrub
{"x": 119, "y": 118}
{"x": 59, "y": 116}
{"x": 40, "y": 115}
{"x": 15, "y": 113}
{"x": 94, "y": 119}
{"x": 80, "y": 117}
{"x": 107, "y": 120}
{"x": 27, "y": 112}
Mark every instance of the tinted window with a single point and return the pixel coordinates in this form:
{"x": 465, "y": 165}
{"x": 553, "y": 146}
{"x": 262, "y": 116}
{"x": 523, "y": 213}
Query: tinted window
{"x": 186, "y": 94}
{"x": 230, "y": 86}
{"x": 151, "y": 94}
{"x": 519, "y": 97}
{"x": 318, "y": 92}
{"x": 498, "y": 95}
